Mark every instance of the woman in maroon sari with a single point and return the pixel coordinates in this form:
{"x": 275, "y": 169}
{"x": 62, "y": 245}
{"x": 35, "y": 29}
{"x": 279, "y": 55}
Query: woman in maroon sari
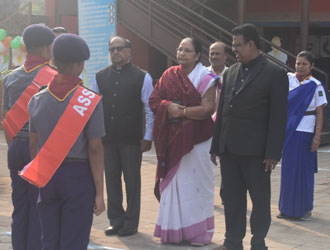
{"x": 183, "y": 102}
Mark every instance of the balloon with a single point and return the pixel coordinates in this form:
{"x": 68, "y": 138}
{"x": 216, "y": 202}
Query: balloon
{"x": 3, "y": 34}
{"x": 16, "y": 43}
{"x": 6, "y": 41}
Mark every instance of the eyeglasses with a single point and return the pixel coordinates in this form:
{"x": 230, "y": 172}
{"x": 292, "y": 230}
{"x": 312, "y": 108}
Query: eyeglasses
{"x": 119, "y": 48}
{"x": 186, "y": 51}
{"x": 238, "y": 45}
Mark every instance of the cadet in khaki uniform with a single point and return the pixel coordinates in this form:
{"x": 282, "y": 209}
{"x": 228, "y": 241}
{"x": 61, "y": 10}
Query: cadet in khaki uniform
{"x": 25, "y": 234}
{"x": 67, "y": 202}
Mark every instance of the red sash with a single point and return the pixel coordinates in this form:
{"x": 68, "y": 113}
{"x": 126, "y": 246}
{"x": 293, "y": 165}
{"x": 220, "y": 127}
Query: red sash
{"x": 80, "y": 108}
{"x": 18, "y": 115}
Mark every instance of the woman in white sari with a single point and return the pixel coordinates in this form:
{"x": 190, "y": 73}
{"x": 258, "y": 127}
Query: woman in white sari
{"x": 183, "y": 102}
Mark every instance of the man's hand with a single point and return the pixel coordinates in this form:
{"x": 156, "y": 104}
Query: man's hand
{"x": 99, "y": 205}
{"x": 269, "y": 164}
{"x": 145, "y": 145}
{"x": 315, "y": 143}
{"x": 213, "y": 158}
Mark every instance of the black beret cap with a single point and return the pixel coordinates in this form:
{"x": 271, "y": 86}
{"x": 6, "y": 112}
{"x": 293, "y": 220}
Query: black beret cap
{"x": 70, "y": 48}
{"x": 37, "y": 35}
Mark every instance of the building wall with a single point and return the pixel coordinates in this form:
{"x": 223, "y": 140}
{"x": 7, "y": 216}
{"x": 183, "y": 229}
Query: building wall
{"x": 63, "y": 13}
{"x": 285, "y": 5}
{"x": 70, "y": 23}
{"x": 274, "y": 17}
{"x": 143, "y": 55}
{"x": 140, "y": 49}
{"x": 50, "y": 12}
{"x": 69, "y": 20}
{"x": 287, "y": 12}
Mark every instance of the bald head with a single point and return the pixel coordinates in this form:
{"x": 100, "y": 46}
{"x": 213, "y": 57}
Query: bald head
{"x": 217, "y": 56}
{"x": 121, "y": 40}
{"x": 220, "y": 45}
{"x": 120, "y": 51}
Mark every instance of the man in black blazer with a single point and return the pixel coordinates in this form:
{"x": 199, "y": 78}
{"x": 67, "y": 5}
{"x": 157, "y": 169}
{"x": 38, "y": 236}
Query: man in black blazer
{"x": 248, "y": 137}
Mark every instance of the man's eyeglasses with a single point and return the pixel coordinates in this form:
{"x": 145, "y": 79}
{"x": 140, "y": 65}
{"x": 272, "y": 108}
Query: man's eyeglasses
{"x": 238, "y": 45}
{"x": 119, "y": 48}
{"x": 182, "y": 50}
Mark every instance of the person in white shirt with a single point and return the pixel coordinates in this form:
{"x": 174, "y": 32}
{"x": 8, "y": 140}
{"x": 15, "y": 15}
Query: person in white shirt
{"x": 307, "y": 99}
{"x": 217, "y": 58}
{"x": 126, "y": 90}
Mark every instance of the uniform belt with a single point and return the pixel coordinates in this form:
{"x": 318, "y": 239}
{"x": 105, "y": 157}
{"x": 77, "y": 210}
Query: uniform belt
{"x": 313, "y": 112}
{"x": 68, "y": 159}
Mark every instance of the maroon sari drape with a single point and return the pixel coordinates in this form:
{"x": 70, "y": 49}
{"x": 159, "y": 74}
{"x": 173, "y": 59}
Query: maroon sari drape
{"x": 174, "y": 140}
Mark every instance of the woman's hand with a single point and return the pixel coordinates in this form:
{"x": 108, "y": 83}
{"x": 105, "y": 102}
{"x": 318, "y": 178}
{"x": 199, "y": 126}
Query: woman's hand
{"x": 315, "y": 143}
{"x": 318, "y": 128}
{"x": 175, "y": 110}
{"x": 99, "y": 205}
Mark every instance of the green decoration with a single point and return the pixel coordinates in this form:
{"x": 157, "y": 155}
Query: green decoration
{"x": 16, "y": 43}
{"x": 3, "y": 34}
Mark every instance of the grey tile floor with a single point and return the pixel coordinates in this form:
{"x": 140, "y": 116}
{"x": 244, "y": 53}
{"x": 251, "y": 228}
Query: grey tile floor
{"x": 283, "y": 234}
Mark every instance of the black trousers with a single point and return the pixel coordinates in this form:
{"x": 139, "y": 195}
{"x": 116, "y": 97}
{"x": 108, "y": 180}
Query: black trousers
{"x": 239, "y": 175}
{"x": 65, "y": 206}
{"x": 25, "y": 227}
{"x": 123, "y": 158}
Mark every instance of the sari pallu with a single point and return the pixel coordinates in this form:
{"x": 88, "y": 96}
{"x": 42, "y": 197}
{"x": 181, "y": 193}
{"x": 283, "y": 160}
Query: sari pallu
{"x": 182, "y": 152}
{"x": 298, "y": 162}
{"x": 298, "y": 102}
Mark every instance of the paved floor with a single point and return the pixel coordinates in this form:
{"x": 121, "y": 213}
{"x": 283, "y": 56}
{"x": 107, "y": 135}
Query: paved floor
{"x": 283, "y": 235}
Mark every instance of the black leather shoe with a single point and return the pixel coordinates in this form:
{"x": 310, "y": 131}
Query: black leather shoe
{"x": 127, "y": 231}
{"x": 112, "y": 230}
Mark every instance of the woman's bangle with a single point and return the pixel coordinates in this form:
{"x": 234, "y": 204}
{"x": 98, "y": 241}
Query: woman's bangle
{"x": 184, "y": 112}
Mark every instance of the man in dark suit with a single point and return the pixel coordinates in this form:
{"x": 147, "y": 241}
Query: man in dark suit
{"x": 248, "y": 137}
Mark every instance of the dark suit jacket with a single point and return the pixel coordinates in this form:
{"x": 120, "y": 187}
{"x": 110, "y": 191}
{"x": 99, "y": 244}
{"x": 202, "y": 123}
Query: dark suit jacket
{"x": 252, "y": 122}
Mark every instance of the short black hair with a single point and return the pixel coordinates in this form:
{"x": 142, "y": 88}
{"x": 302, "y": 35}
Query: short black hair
{"x": 308, "y": 55}
{"x": 197, "y": 45}
{"x": 249, "y": 33}
{"x": 64, "y": 67}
